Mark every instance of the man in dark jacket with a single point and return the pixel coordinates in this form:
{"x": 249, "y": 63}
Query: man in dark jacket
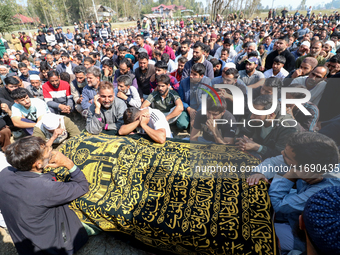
{"x": 41, "y": 40}
{"x": 198, "y": 57}
{"x": 60, "y": 37}
{"x": 67, "y": 65}
{"x": 35, "y": 206}
{"x": 281, "y": 49}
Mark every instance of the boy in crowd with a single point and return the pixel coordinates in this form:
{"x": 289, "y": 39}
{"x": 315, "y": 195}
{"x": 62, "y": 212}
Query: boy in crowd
{"x": 127, "y": 92}
{"x": 167, "y": 101}
{"x": 277, "y": 69}
{"x": 26, "y": 112}
{"x": 213, "y": 130}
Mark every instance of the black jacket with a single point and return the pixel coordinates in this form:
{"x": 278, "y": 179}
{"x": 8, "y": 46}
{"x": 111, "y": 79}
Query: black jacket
{"x": 290, "y": 60}
{"x": 36, "y": 212}
{"x": 41, "y": 39}
{"x": 6, "y": 94}
{"x": 60, "y": 38}
{"x": 329, "y": 105}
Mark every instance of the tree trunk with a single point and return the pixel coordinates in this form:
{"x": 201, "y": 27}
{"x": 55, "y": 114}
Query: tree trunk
{"x": 66, "y": 11}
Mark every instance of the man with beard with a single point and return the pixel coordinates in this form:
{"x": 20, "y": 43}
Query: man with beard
{"x": 125, "y": 67}
{"x": 143, "y": 74}
{"x": 141, "y": 44}
{"x": 168, "y": 102}
{"x": 281, "y": 49}
{"x": 315, "y": 51}
{"x": 198, "y": 57}
{"x": 126, "y": 92}
{"x": 180, "y": 67}
{"x": 185, "y": 51}
{"x": 106, "y": 112}
{"x": 227, "y": 44}
{"x": 26, "y": 112}
{"x": 314, "y": 82}
{"x": 250, "y": 76}
{"x": 333, "y": 65}
{"x": 190, "y": 89}
{"x": 263, "y": 137}
{"x": 77, "y": 86}
{"x": 161, "y": 68}
{"x": 91, "y": 89}
{"x": 163, "y": 48}
{"x": 237, "y": 39}
{"x": 57, "y": 94}
{"x": 307, "y": 65}
{"x": 302, "y": 50}
{"x": 66, "y": 66}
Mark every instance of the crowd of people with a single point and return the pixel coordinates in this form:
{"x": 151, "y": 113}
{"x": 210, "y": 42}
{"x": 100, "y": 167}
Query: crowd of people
{"x": 151, "y": 78}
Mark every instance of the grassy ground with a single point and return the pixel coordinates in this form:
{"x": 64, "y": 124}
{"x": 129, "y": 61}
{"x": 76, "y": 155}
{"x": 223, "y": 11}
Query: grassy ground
{"x": 113, "y": 25}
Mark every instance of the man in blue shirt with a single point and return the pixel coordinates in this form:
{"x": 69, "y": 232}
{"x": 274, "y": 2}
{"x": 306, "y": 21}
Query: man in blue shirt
{"x": 309, "y": 163}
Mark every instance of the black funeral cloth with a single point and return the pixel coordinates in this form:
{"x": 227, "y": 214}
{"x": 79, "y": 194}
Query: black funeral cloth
{"x": 154, "y": 193}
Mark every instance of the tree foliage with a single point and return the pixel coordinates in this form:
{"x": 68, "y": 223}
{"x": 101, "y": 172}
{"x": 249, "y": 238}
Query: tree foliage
{"x": 7, "y": 11}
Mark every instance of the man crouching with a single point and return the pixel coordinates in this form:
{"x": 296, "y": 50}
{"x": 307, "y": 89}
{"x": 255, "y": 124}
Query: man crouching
{"x": 35, "y": 205}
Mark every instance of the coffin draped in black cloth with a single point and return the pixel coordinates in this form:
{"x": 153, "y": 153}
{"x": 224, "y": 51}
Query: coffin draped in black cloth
{"x": 153, "y": 193}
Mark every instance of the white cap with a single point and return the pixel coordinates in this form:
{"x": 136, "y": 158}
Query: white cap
{"x": 230, "y": 65}
{"x": 43, "y": 51}
{"x": 31, "y": 49}
{"x": 306, "y": 43}
{"x": 81, "y": 50}
{"x": 50, "y": 121}
{"x": 87, "y": 50}
{"x": 331, "y": 43}
{"x": 34, "y": 77}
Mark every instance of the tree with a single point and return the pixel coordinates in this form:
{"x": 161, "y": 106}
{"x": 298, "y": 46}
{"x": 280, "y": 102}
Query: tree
{"x": 7, "y": 12}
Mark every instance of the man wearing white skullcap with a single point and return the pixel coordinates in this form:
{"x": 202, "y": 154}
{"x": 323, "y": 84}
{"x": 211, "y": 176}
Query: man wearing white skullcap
{"x": 35, "y": 88}
{"x": 55, "y": 129}
{"x": 328, "y": 48}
